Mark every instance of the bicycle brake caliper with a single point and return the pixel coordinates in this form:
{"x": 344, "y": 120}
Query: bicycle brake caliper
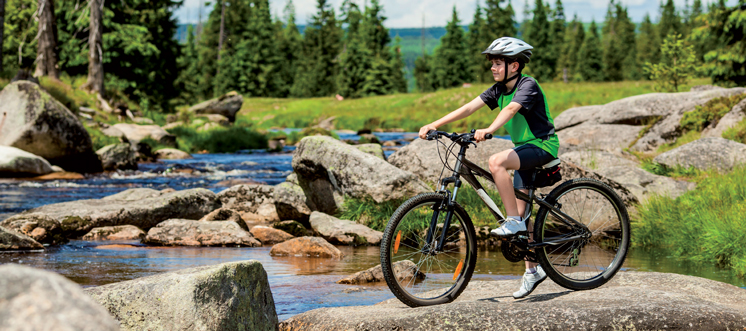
{"x": 575, "y": 258}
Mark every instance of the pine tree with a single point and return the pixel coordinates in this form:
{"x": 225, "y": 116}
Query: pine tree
{"x": 670, "y": 21}
{"x": 556, "y": 36}
{"x": 382, "y": 75}
{"x": 289, "y": 45}
{"x": 499, "y": 22}
{"x": 612, "y": 55}
{"x": 725, "y": 62}
{"x": 321, "y": 46}
{"x": 572, "y": 41}
{"x": 450, "y": 68}
{"x": 590, "y": 65}
{"x": 398, "y": 82}
{"x": 647, "y": 40}
{"x": 476, "y": 44}
{"x": 95, "y": 82}
{"x": 422, "y": 73}
{"x": 377, "y": 36}
{"x": 46, "y": 55}
{"x": 542, "y": 67}
{"x": 19, "y": 45}
{"x": 676, "y": 65}
{"x": 188, "y": 80}
{"x": 356, "y": 59}
{"x": 626, "y": 29}
{"x": 526, "y": 23}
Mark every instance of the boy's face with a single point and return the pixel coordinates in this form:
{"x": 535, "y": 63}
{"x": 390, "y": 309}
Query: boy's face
{"x": 498, "y": 69}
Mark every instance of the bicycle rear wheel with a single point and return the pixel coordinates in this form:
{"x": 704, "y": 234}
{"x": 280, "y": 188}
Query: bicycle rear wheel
{"x": 589, "y": 262}
{"x": 416, "y": 272}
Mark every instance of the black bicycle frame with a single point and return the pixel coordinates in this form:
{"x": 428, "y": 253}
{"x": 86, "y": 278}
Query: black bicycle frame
{"x": 470, "y": 171}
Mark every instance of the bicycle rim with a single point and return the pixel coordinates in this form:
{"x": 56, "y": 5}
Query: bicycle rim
{"x": 417, "y": 274}
{"x": 584, "y": 263}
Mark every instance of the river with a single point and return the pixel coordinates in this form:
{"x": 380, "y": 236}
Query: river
{"x": 297, "y": 284}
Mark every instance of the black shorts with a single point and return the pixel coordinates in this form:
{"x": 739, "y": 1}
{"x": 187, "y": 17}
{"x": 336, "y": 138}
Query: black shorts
{"x": 531, "y": 157}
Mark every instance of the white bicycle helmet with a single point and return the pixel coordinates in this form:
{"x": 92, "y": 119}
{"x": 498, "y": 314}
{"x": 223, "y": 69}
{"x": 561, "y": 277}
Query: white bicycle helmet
{"x": 510, "y": 47}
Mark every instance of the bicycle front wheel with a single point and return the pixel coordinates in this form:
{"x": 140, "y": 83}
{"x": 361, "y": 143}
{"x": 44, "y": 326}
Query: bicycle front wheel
{"x": 591, "y": 261}
{"x": 417, "y": 271}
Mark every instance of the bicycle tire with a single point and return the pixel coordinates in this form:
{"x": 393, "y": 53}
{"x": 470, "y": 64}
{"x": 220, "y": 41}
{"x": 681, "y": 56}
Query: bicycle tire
{"x": 606, "y": 239}
{"x": 468, "y": 254}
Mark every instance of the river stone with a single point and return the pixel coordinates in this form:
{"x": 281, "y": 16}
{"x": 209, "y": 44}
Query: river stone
{"x": 372, "y": 149}
{"x": 404, "y": 270}
{"x": 630, "y": 301}
{"x": 290, "y": 201}
{"x": 605, "y": 137}
{"x": 118, "y": 156}
{"x": 35, "y": 299}
{"x": 134, "y": 194}
{"x": 421, "y": 157}
{"x": 180, "y": 232}
{"x": 12, "y": 240}
{"x": 328, "y": 170}
{"x": 225, "y": 214}
{"x": 120, "y": 232}
{"x": 228, "y": 296}
{"x": 292, "y": 227}
{"x": 171, "y": 154}
{"x": 575, "y": 116}
{"x": 79, "y": 217}
{"x": 269, "y": 235}
{"x": 640, "y": 183}
{"x": 32, "y": 120}
{"x": 731, "y": 119}
{"x": 227, "y": 105}
{"x": 704, "y": 154}
{"x": 40, "y": 227}
{"x": 15, "y": 162}
{"x": 217, "y": 118}
{"x": 135, "y": 133}
{"x": 306, "y": 246}
{"x": 255, "y": 202}
{"x": 343, "y": 232}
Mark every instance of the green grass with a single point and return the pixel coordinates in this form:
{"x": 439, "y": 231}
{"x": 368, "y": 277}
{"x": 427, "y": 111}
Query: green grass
{"x": 710, "y": 112}
{"x": 413, "y": 110}
{"x": 219, "y": 139}
{"x": 704, "y": 225}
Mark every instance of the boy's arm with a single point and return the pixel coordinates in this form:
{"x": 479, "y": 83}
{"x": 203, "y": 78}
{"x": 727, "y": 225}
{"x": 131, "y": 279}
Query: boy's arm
{"x": 455, "y": 115}
{"x": 505, "y": 115}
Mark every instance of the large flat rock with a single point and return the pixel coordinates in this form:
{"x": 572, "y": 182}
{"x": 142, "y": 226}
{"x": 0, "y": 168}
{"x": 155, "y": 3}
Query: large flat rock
{"x": 228, "y": 296}
{"x": 630, "y": 301}
{"x": 704, "y": 154}
{"x": 344, "y": 232}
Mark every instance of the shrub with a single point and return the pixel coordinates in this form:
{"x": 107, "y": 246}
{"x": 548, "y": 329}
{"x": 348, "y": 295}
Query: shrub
{"x": 219, "y": 139}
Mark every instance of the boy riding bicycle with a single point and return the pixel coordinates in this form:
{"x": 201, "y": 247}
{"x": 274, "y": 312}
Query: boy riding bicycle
{"x": 525, "y": 115}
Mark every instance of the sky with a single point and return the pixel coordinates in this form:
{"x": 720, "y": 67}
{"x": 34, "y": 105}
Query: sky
{"x": 409, "y": 13}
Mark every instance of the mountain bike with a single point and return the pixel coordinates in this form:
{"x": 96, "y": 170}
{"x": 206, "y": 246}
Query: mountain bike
{"x": 580, "y": 234}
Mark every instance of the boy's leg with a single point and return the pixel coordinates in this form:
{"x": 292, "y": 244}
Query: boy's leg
{"x": 500, "y": 163}
{"x": 522, "y": 211}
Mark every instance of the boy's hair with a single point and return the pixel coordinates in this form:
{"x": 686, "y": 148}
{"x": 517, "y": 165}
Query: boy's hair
{"x": 507, "y": 60}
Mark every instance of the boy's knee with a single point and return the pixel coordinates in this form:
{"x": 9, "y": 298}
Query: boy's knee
{"x": 496, "y": 162}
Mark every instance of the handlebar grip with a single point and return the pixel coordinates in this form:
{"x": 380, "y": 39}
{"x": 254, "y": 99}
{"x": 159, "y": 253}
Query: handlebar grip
{"x": 488, "y": 136}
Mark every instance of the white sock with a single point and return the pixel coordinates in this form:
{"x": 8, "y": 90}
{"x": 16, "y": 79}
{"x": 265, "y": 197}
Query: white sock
{"x": 531, "y": 270}
{"x": 517, "y": 218}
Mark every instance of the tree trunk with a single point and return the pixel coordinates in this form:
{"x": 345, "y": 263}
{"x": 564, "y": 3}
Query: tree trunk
{"x": 46, "y": 54}
{"x": 2, "y": 30}
{"x": 220, "y": 38}
{"x": 95, "y": 81}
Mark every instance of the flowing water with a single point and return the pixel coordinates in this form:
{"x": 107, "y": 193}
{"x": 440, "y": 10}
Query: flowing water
{"x": 298, "y": 284}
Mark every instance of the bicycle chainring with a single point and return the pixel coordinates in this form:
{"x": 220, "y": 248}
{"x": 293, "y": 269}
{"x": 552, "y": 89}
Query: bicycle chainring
{"x": 511, "y": 252}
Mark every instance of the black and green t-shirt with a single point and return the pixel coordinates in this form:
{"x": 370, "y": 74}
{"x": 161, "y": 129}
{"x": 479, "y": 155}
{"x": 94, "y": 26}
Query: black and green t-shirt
{"x": 532, "y": 124}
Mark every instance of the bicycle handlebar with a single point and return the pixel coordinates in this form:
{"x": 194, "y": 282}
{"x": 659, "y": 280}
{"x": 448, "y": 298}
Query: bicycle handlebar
{"x": 466, "y": 137}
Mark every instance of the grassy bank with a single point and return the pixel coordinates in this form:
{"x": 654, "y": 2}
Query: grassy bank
{"x": 411, "y": 111}
{"x": 703, "y": 225}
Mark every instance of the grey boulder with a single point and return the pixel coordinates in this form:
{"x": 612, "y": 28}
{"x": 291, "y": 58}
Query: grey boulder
{"x": 171, "y": 154}
{"x": 227, "y": 105}
{"x": 223, "y": 297}
{"x": 180, "y": 232}
{"x": 255, "y": 202}
{"x": 731, "y": 119}
{"x": 605, "y": 137}
{"x": 15, "y": 162}
{"x": 225, "y": 214}
{"x": 372, "y": 149}
{"x": 118, "y": 157}
{"x": 32, "y": 120}
{"x": 40, "y": 227}
{"x": 12, "y": 241}
{"x": 404, "y": 271}
{"x": 33, "y": 299}
{"x": 328, "y": 170}
{"x": 136, "y": 133}
{"x": 290, "y": 202}
{"x": 306, "y": 246}
{"x": 343, "y": 232}
{"x": 704, "y": 154}
{"x": 119, "y": 232}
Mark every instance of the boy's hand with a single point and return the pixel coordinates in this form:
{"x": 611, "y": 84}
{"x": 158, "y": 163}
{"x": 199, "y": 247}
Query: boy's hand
{"x": 479, "y": 134}
{"x": 425, "y": 129}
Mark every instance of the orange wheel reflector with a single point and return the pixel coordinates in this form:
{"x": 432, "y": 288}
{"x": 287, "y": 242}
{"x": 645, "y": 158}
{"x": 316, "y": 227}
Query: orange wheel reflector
{"x": 396, "y": 243}
{"x": 458, "y": 269}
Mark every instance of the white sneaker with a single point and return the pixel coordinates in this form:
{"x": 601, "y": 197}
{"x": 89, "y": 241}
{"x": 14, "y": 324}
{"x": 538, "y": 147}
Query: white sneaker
{"x": 509, "y": 228}
{"x": 530, "y": 282}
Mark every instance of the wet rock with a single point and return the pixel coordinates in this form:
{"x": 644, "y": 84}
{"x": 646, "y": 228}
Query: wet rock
{"x": 134, "y": 194}
{"x": 181, "y": 232}
{"x": 290, "y": 201}
{"x": 136, "y": 133}
{"x": 328, "y": 170}
{"x": 120, "y": 232}
{"x": 704, "y": 154}
{"x": 731, "y": 119}
{"x": 255, "y": 202}
{"x": 227, "y": 105}
{"x": 34, "y": 299}
{"x": 33, "y": 121}
{"x": 40, "y": 227}
{"x": 603, "y": 137}
{"x": 15, "y": 162}
{"x": 171, "y": 154}
{"x": 225, "y": 214}
{"x": 292, "y": 227}
{"x": 421, "y": 157}
{"x": 63, "y": 175}
{"x": 630, "y": 301}
{"x": 343, "y": 232}
{"x": 223, "y": 297}
{"x": 118, "y": 156}
{"x": 372, "y": 149}
{"x": 306, "y": 246}
{"x": 404, "y": 270}
{"x": 269, "y": 235}
{"x": 79, "y": 217}
{"x": 12, "y": 240}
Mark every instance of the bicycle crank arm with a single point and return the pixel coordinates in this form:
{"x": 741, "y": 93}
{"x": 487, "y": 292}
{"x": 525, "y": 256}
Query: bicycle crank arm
{"x": 555, "y": 242}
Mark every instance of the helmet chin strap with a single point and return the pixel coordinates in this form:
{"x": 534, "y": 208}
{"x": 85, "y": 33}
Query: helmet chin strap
{"x": 506, "y": 80}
